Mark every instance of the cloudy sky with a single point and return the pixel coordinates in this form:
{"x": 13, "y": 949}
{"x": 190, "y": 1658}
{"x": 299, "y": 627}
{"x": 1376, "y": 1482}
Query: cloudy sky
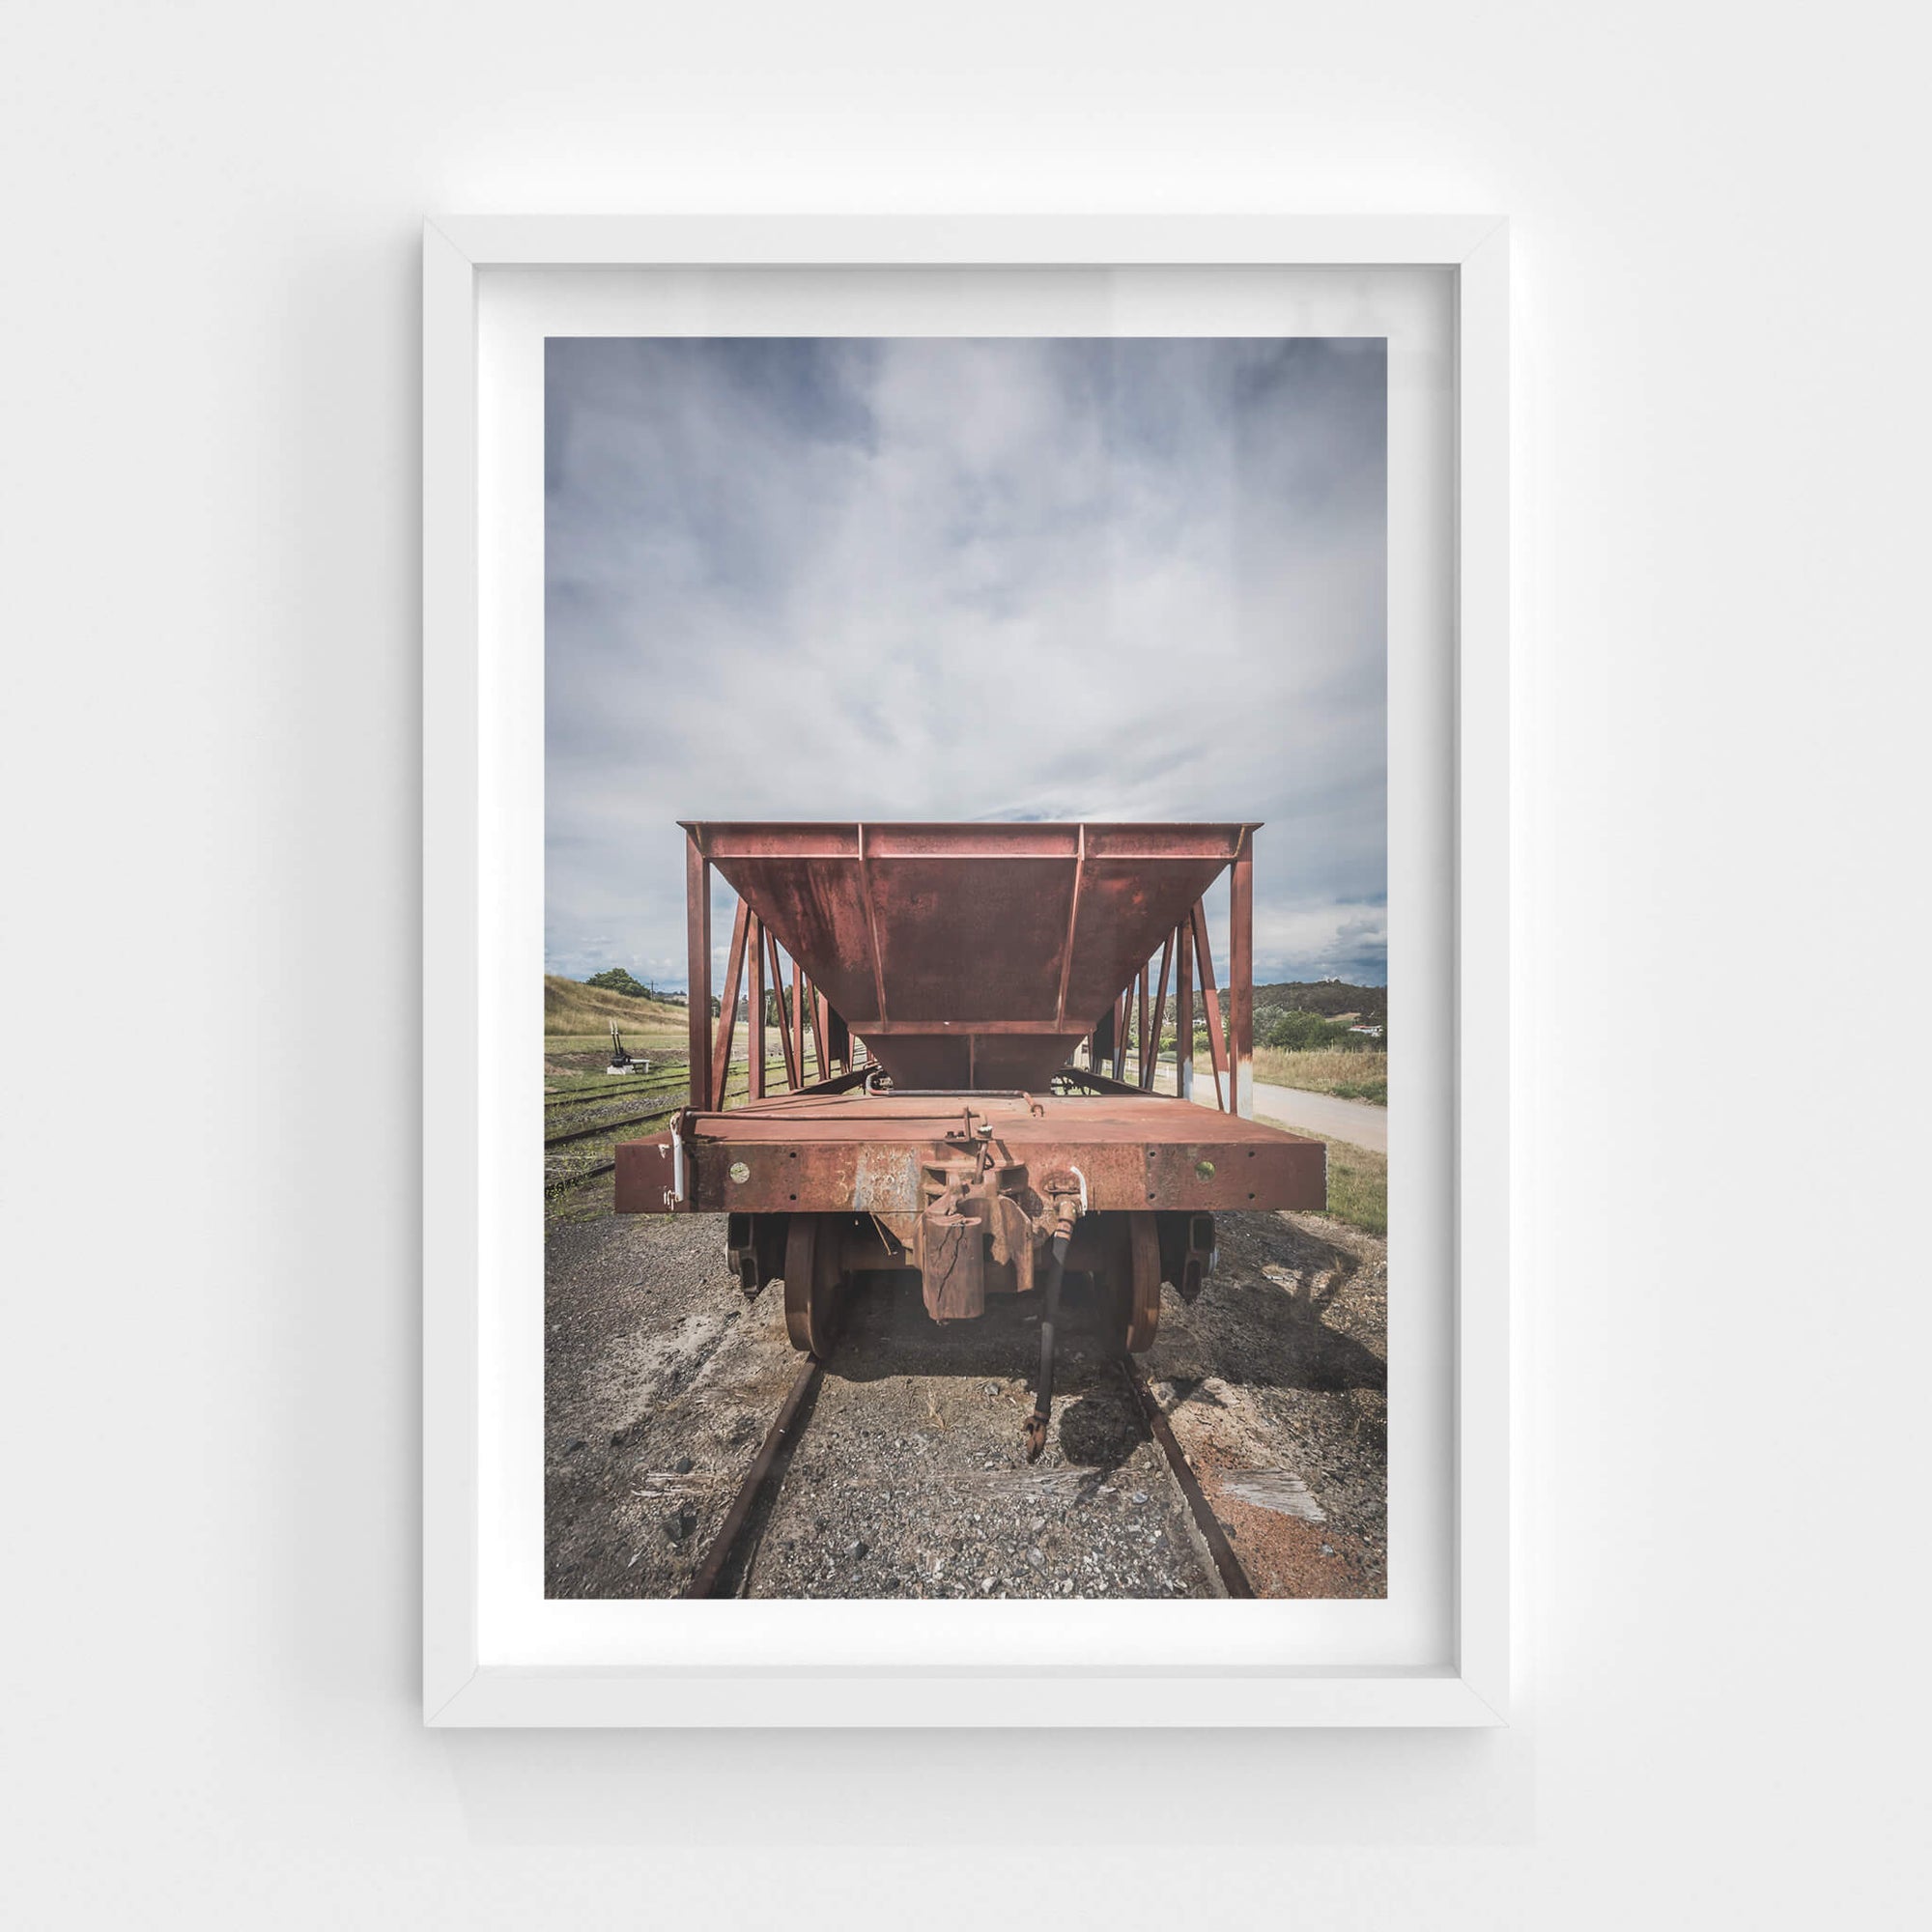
{"x": 954, "y": 578}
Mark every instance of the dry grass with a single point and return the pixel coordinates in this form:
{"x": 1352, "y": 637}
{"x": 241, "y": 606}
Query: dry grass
{"x": 1326, "y": 1069}
{"x": 1357, "y": 1180}
{"x": 571, "y": 1009}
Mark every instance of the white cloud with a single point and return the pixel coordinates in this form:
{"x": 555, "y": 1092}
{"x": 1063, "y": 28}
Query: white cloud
{"x": 957, "y": 580}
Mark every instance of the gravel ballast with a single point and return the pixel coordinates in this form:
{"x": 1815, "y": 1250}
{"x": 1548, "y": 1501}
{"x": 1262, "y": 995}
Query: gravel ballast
{"x": 907, "y": 1477}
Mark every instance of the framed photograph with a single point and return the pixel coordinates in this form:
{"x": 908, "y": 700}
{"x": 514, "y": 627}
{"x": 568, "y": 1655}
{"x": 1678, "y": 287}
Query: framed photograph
{"x": 993, "y": 737}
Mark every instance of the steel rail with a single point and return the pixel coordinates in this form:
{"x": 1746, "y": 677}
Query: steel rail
{"x": 591, "y": 1129}
{"x": 1233, "y": 1578}
{"x": 784, "y": 1431}
{"x": 615, "y": 1089}
{"x": 565, "y": 1182}
{"x": 599, "y": 1128}
{"x": 663, "y": 1081}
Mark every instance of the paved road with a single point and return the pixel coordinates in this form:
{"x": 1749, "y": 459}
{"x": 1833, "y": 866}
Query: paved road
{"x": 1356, "y": 1122}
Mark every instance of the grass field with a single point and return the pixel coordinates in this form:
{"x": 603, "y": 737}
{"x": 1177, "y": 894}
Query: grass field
{"x": 1357, "y": 1180}
{"x": 572, "y": 1192}
{"x": 577, "y": 1012}
{"x": 1348, "y": 1076}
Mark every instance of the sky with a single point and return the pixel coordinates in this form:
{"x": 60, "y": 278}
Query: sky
{"x": 951, "y": 578}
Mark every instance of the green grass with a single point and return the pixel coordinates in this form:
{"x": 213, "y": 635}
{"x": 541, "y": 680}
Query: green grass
{"x": 1357, "y": 1180}
{"x": 593, "y": 1200}
{"x": 640, "y": 1042}
{"x": 574, "y": 1011}
{"x": 1375, "y": 1092}
{"x": 1347, "y": 1074}
{"x": 586, "y": 1091}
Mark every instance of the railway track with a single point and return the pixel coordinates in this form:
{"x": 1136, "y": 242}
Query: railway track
{"x": 616, "y": 1088}
{"x": 619, "y": 1090}
{"x": 780, "y": 1437}
{"x": 724, "y": 1563}
{"x": 1226, "y": 1565}
{"x": 606, "y": 1129}
{"x": 598, "y": 1128}
{"x": 563, "y": 1184}
{"x": 668, "y": 1080}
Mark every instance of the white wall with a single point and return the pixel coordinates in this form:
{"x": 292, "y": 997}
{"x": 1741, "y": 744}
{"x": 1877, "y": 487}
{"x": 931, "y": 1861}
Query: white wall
{"x": 209, "y": 526}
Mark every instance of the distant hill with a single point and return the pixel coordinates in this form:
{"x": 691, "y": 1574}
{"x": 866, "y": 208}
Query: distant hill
{"x": 1328, "y": 998}
{"x": 572, "y": 1008}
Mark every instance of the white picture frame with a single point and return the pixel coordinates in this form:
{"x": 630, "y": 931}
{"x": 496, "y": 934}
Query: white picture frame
{"x": 461, "y": 1686}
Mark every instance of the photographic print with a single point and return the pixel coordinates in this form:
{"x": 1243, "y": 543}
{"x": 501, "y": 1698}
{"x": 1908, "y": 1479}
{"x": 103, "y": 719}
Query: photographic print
{"x": 965, "y": 1021}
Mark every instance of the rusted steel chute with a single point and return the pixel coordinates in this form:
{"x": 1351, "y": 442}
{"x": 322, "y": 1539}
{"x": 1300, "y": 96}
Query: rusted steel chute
{"x": 971, "y": 957}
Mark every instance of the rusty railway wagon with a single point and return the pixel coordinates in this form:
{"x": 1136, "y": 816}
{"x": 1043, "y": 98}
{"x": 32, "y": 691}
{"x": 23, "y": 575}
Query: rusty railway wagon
{"x": 965, "y": 1005}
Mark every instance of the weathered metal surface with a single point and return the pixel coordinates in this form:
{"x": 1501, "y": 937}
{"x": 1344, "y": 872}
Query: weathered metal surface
{"x": 825, "y": 1153}
{"x": 885, "y": 1177}
{"x": 953, "y": 1256}
{"x": 814, "y": 1282}
{"x": 1187, "y": 1252}
{"x": 755, "y": 1245}
{"x": 969, "y": 956}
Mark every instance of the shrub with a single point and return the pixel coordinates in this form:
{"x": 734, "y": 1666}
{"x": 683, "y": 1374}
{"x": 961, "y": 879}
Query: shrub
{"x": 614, "y": 979}
{"x": 1295, "y": 1031}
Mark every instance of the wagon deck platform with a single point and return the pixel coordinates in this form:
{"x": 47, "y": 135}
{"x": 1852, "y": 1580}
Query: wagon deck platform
{"x": 855, "y": 1151}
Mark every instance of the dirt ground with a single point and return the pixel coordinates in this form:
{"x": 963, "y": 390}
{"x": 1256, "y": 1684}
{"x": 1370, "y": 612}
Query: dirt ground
{"x": 908, "y": 1479}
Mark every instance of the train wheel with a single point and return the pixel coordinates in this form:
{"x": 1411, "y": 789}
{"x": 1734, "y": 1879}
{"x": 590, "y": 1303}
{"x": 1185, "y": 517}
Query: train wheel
{"x": 814, "y": 1283}
{"x": 1133, "y": 1280}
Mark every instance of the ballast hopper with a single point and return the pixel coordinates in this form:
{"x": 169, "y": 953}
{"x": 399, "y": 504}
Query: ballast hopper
{"x": 981, "y": 1133}
{"x": 971, "y": 957}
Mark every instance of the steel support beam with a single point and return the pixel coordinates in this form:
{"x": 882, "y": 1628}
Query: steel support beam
{"x": 728, "y": 1009}
{"x": 1072, "y": 931}
{"x": 798, "y": 991}
{"x": 1150, "y": 1059}
{"x": 1183, "y": 1012}
{"x": 697, "y": 968}
{"x": 792, "y": 1079}
{"x": 1241, "y": 977}
{"x": 755, "y": 1016}
{"x": 1217, "y": 1040}
{"x": 1141, "y": 1042}
{"x": 821, "y": 1033}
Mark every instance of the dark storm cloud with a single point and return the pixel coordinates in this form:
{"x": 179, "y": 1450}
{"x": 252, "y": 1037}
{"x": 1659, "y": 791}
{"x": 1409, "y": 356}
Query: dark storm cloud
{"x": 953, "y": 579}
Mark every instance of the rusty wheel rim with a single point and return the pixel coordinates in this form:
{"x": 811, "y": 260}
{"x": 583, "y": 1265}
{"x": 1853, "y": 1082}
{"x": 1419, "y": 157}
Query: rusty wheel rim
{"x": 815, "y": 1289}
